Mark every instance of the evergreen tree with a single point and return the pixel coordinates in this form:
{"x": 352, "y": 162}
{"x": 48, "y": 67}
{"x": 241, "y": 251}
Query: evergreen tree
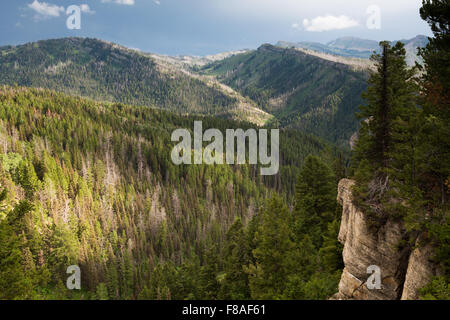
{"x": 387, "y": 137}
{"x": 339, "y": 167}
{"x": 27, "y": 178}
{"x": 236, "y": 255}
{"x": 274, "y": 245}
{"x": 432, "y": 214}
{"x": 389, "y": 90}
{"x": 127, "y": 282}
{"x": 331, "y": 251}
{"x": 302, "y": 264}
{"x": 208, "y": 283}
{"x": 112, "y": 281}
{"x": 315, "y": 200}
{"x": 102, "y": 292}
{"x": 435, "y": 146}
{"x": 17, "y": 279}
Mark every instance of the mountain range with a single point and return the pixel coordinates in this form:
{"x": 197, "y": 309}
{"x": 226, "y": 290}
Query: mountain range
{"x": 358, "y": 48}
{"x": 304, "y": 86}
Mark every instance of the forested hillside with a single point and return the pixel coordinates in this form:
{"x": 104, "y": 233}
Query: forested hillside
{"x": 92, "y": 184}
{"x": 105, "y": 71}
{"x": 302, "y": 91}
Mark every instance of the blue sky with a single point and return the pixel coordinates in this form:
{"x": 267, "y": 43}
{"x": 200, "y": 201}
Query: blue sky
{"x": 199, "y": 27}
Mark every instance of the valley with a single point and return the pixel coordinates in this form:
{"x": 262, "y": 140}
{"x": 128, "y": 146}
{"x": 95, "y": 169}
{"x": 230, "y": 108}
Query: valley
{"x": 349, "y": 198}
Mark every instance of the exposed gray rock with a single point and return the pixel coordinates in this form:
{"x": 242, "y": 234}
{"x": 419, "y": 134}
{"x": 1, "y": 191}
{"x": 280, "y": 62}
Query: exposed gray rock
{"x": 364, "y": 247}
{"x": 420, "y": 271}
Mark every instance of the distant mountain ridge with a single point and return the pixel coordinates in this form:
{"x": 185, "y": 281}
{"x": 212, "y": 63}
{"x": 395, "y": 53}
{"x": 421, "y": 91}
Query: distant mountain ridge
{"x": 353, "y": 43}
{"x": 358, "y": 48}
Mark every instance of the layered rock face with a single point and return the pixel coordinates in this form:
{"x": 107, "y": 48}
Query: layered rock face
{"x": 402, "y": 271}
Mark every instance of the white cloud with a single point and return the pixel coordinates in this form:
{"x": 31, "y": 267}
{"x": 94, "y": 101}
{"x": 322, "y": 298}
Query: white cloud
{"x": 328, "y": 23}
{"x": 157, "y": 2}
{"x": 296, "y": 26}
{"x": 45, "y": 10}
{"x": 125, "y": 2}
{"x": 86, "y": 9}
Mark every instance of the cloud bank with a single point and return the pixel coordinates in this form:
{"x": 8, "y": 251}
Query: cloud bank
{"x": 328, "y": 23}
{"x": 45, "y": 10}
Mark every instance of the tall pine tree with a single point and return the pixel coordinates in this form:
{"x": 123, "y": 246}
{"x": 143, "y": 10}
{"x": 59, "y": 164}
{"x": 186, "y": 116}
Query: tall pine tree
{"x": 386, "y": 138}
{"x": 315, "y": 200}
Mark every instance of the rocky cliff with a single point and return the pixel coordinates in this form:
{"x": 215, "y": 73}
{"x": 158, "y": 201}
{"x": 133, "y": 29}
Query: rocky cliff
{"x": 402, "y": 269}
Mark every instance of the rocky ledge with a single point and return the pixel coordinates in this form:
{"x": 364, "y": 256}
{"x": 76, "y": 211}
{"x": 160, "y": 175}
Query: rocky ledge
{"x": 403, "y": 270}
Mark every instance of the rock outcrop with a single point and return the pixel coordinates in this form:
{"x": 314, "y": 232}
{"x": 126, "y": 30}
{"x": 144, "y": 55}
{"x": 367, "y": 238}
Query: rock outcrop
{"x": 420, "y": 271}
{"x": 402, "y": 270}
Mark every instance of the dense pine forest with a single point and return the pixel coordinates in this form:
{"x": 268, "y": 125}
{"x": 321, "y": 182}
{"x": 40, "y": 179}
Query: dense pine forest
{"x": 91, "y": 183}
